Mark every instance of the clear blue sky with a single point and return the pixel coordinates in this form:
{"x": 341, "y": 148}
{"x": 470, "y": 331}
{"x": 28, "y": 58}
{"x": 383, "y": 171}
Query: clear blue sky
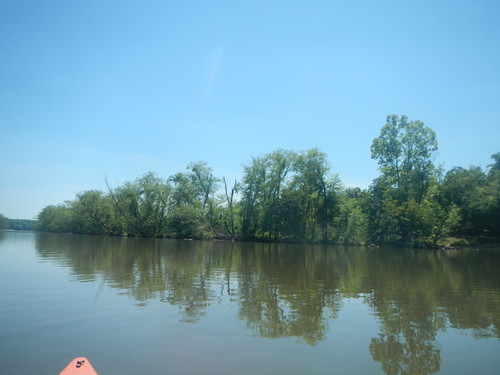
{"x": 95, "y": 89}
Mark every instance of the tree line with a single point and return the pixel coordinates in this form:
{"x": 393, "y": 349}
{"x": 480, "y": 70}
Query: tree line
{"x": 293, "y": 196}
{"x": 17, "y": 224}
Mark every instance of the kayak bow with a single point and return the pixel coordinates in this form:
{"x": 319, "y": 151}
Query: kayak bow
{"x": 79, "y": 366}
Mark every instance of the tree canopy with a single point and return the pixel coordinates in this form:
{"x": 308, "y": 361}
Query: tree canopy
{"x": 293, "y": 196}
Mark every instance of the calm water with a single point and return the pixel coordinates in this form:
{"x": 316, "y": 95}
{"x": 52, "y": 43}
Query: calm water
{"x": 139, "y": 306}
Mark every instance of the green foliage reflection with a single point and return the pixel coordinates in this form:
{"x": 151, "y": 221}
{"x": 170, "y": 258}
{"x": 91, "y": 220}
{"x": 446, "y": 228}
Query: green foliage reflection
{"x": 298, "y": 290}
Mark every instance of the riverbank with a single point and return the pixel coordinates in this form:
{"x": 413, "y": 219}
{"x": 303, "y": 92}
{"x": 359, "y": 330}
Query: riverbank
{"x": 473, "y": 241}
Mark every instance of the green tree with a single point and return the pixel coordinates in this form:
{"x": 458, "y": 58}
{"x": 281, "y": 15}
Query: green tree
{"x": 3, "y": 222}
{"x": 262, "y": 185}
{"x": 487, "y": 206}
{"x": 477, "y": 196}
{"x": 278, "y": 165}
{"x": 206, "y": 185}
{"x": 144, "y": 205}
{"x": 289, "y": 213}
{"x": 21, "y": 224}
{"x": 187, "y": 222}
{"x": 493, "y": 191}
{"x": 404, "y": 151}
{"x": 320, "y": 189}
{"x": 462, "y": 188}
{"x": 254, "y": 177}
{"x": 184, "y": 192}
{"x": 203, "y": 180}
{"x": 399, "y": 201}
{"x": 94, "y": 213}
{"x": 229, "y": 214}
{"x": 351, "y": 223}
{"x": 289, "y": 195}
{"x": 57, "y": 218}
{"x": 384, "y": 212}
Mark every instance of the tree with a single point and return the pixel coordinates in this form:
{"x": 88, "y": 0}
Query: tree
{"x": 384, "y": 212}
{"x": 495, "y": 167}
{"x": 311, "y": 168}
{"x": 278, "y": 165}
{"x": 476, "y": 194}
{"x": 462, "y": 188}
{"x": 253, "y": 195}
{"x": 487, "y": 206}
{"x": 187, "y": 222}
{"x": 56, "y": 218}
{"x": 404, "y": 151}
{"x": 3, "y": 222}
{"x": 21, "y": 224}
{"x": 289, "y": 213}
{"x": 184, "y": 192}
{"x": 229, "y": 220}
{"x": 205, "y": 186}
{"x": 282, "y": 188}
{"x": 144, "y": 205}
{"x": 351, "y": 223}
{"x": 203, "y": 180}
{"x": 94, "y": 213}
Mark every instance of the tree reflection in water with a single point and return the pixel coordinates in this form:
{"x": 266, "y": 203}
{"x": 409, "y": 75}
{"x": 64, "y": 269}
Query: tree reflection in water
{"x": 407, "y": 346}
{"x": 296, "y": 290}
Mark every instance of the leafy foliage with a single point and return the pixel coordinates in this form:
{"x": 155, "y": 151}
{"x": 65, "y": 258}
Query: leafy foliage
{"x": 404, "y": 152}
{"x": 293, "y": 196}
{"x": 3, "y": 222}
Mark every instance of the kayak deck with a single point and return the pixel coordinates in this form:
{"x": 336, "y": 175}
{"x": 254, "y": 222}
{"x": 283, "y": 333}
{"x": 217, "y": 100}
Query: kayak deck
{"x": 79, "y": 366}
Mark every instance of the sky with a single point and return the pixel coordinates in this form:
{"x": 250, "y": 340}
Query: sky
{"x": 94, "y": 91}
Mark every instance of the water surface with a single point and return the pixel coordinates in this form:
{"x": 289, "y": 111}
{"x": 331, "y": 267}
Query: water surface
{"x": 151, "y": 306}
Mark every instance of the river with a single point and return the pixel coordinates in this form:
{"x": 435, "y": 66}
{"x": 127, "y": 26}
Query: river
{"x": 158, "y": 306}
